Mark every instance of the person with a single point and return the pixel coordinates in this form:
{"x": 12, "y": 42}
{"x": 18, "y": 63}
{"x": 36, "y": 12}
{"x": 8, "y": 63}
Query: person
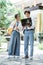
{"x": 28, "y": 36}
{"x": 14, "y": 45}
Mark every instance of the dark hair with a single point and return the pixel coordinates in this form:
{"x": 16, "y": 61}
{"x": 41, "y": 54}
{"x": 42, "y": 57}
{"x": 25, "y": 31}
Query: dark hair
{"x": 27, "y": 12}
{"x": 16, "y": 15}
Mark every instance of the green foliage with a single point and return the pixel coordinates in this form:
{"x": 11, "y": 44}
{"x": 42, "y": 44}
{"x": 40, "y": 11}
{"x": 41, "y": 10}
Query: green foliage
{"x": 20, "y": 11}
{"x": 7, "y": 12}
{"x": 2, "y": 12}
{"x": 40, "y": 46}
{"x": 2, "y": 3}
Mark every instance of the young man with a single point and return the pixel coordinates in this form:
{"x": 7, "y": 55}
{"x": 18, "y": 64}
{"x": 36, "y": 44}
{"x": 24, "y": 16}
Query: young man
{"x": 14, "y": 45}
{"x": 28, "y": 36}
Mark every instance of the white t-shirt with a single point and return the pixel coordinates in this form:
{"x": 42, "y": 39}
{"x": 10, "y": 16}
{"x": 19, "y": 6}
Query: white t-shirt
{"x": 14, "y": 25}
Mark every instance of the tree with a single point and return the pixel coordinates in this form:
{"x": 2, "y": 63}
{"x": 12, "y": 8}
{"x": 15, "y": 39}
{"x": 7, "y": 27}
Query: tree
{"x": 7, "y": 12}
{"x": 4, "y": 22}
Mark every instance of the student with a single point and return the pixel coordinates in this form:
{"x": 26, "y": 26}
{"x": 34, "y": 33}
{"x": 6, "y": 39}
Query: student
{"x": 14, "y": 45}
{"x": 28, "y": 37}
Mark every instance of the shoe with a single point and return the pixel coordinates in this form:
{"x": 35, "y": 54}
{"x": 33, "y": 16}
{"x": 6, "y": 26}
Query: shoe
{"x": 26, "y": 57}
{"x": 31, "y": 58}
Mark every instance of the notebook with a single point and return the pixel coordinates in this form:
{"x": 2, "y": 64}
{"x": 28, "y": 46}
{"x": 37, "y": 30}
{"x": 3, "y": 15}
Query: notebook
{"x": 26, "y": 21}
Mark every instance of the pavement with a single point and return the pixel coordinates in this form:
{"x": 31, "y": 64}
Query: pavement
{"x": 12, "y": 60}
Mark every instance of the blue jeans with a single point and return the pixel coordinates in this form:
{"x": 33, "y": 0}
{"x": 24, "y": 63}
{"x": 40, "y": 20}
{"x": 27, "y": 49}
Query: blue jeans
{"x": 28, "y": 37}
{"x": 14, "y": 45}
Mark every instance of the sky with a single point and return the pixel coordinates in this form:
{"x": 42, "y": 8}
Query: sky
{"x": 14, "y": 1}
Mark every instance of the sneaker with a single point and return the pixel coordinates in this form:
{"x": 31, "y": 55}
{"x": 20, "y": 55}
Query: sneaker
{"x": 26, "y": 57}
{"x": 31, "y": 58}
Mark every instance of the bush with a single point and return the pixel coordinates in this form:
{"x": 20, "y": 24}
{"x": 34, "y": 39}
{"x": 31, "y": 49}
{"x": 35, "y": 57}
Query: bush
{"x": 40, "y": 46}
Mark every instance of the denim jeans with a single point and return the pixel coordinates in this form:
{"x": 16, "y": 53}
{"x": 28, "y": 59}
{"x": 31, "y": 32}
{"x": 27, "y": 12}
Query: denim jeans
{"x": 28, "y": 37}
{"x": 14, "y": 45}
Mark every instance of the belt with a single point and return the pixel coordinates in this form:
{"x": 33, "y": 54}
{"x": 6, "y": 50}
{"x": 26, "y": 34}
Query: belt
{"x": 29, "y": 29}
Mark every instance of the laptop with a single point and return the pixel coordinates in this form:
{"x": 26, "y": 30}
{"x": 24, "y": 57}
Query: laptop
{"x": 26, "y": 21}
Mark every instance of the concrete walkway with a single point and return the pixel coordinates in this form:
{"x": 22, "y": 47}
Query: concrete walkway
{"x": 5, "y": 60}
{"x": 37, "y": 58}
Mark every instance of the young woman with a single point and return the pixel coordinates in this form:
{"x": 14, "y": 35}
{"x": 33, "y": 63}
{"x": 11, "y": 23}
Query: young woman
{"x": 14, "y": 45}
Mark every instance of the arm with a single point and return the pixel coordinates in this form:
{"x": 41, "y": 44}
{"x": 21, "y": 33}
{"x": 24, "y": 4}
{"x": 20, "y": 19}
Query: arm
{"x": 20, "y": 27}
{"x": 33, "y": 24}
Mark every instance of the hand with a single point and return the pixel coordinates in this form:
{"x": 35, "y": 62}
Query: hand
{"x": 23, "y": 27}
{"x": 29, "y": 25}
{"x": 17, "y": 28}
